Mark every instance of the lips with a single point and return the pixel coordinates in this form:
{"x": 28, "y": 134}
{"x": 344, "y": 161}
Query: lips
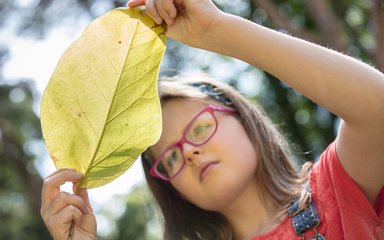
{"x": 205, "y": 168}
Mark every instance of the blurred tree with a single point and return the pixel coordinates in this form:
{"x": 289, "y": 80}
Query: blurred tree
{"x": 355, "y": 27}
{"x": 139, "y": 221}
{"x": 20, "y": 183}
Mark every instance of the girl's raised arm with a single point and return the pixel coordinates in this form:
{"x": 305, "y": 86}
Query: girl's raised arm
{"x": 345, "y": 86}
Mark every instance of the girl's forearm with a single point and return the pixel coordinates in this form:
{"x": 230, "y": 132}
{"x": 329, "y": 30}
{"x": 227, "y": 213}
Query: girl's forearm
{"x": 345, "y": 86}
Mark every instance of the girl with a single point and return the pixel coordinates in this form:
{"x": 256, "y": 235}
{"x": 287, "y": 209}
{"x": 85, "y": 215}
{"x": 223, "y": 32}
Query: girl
{"x": 221, "y": 170}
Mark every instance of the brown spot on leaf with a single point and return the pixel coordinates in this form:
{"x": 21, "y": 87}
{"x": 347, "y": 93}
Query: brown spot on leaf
{"x": 55, "y": 159}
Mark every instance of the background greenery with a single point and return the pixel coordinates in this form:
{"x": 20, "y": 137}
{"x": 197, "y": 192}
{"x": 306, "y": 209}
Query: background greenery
{"x": 354, "y": 27}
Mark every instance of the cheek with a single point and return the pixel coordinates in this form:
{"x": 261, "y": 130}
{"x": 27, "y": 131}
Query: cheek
{"x": 206, "y": 198}
{"x": 185, "y": 185}
{"x": 234, "y": 141}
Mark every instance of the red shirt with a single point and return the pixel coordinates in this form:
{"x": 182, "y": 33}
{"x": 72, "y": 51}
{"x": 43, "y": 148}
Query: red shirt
{"x": 345, "y": 212}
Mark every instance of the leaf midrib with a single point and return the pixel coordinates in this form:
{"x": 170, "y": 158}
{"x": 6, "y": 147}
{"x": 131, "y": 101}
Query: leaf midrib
{"x": 110, "y": 107}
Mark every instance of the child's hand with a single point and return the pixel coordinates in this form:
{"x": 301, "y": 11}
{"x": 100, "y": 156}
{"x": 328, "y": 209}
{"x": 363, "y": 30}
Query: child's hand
{"x": 189, "y": 21}
{"x": 60, "y": 209}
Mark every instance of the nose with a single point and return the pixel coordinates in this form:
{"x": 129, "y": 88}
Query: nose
{"x": 190, "y": 152}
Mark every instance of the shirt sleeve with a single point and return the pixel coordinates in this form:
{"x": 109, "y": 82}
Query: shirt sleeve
{"x": 343, "y": 205}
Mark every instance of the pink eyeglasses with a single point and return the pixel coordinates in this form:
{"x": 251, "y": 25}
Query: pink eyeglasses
{"x": 198, "y": 132}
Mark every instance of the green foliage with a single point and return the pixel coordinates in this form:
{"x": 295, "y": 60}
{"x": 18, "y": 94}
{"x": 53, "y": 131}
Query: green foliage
{"x": 139, "y": 220}
{"x": 20, "y": 184}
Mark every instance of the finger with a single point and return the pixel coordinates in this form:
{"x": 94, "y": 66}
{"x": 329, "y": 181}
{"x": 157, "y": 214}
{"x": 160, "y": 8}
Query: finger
{"x": 52, "y": 183}
{"x": 64, "y": 217}
{"x": 152, "y": 12}
{"x": 135, "y": 3}
{"x": 83, "y": 193}
{"x": 163, "y": 12}
{"x": 170, "y": 7}
{"x": 65, "y": 199}
{"x": 59, "y": 171}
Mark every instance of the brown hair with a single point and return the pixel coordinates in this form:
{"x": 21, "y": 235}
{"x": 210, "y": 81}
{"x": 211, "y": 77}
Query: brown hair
{"x": 275, "y": 173}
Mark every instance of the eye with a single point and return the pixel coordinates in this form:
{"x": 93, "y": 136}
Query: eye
{"x": 202, "y": 129}
{"x": 172, "y": 158}
{"x": 170, "y": 163}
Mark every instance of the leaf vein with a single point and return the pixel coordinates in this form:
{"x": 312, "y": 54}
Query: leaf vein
{"x": 109, "y": 110}
{"x": 78, "y": 103}
{"x": 114, "y": 150}
{"x": 140, "y": 78}
{"x": 127, "y": 107}
{"x": 144, "y": 43}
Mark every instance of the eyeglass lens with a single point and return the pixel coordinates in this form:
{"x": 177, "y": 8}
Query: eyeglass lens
{"x": 199, "y": 131}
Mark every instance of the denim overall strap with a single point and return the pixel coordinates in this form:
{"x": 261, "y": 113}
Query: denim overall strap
{"x": 306, "y": 219}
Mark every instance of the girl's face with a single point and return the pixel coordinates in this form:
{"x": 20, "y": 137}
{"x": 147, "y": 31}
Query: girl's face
{"x": 217, "y": 173}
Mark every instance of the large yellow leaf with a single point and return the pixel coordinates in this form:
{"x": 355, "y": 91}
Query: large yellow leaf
{"x": 101, "y": 109}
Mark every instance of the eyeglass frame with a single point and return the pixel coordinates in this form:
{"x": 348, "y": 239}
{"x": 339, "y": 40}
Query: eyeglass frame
{"x": 179, "y": 144}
